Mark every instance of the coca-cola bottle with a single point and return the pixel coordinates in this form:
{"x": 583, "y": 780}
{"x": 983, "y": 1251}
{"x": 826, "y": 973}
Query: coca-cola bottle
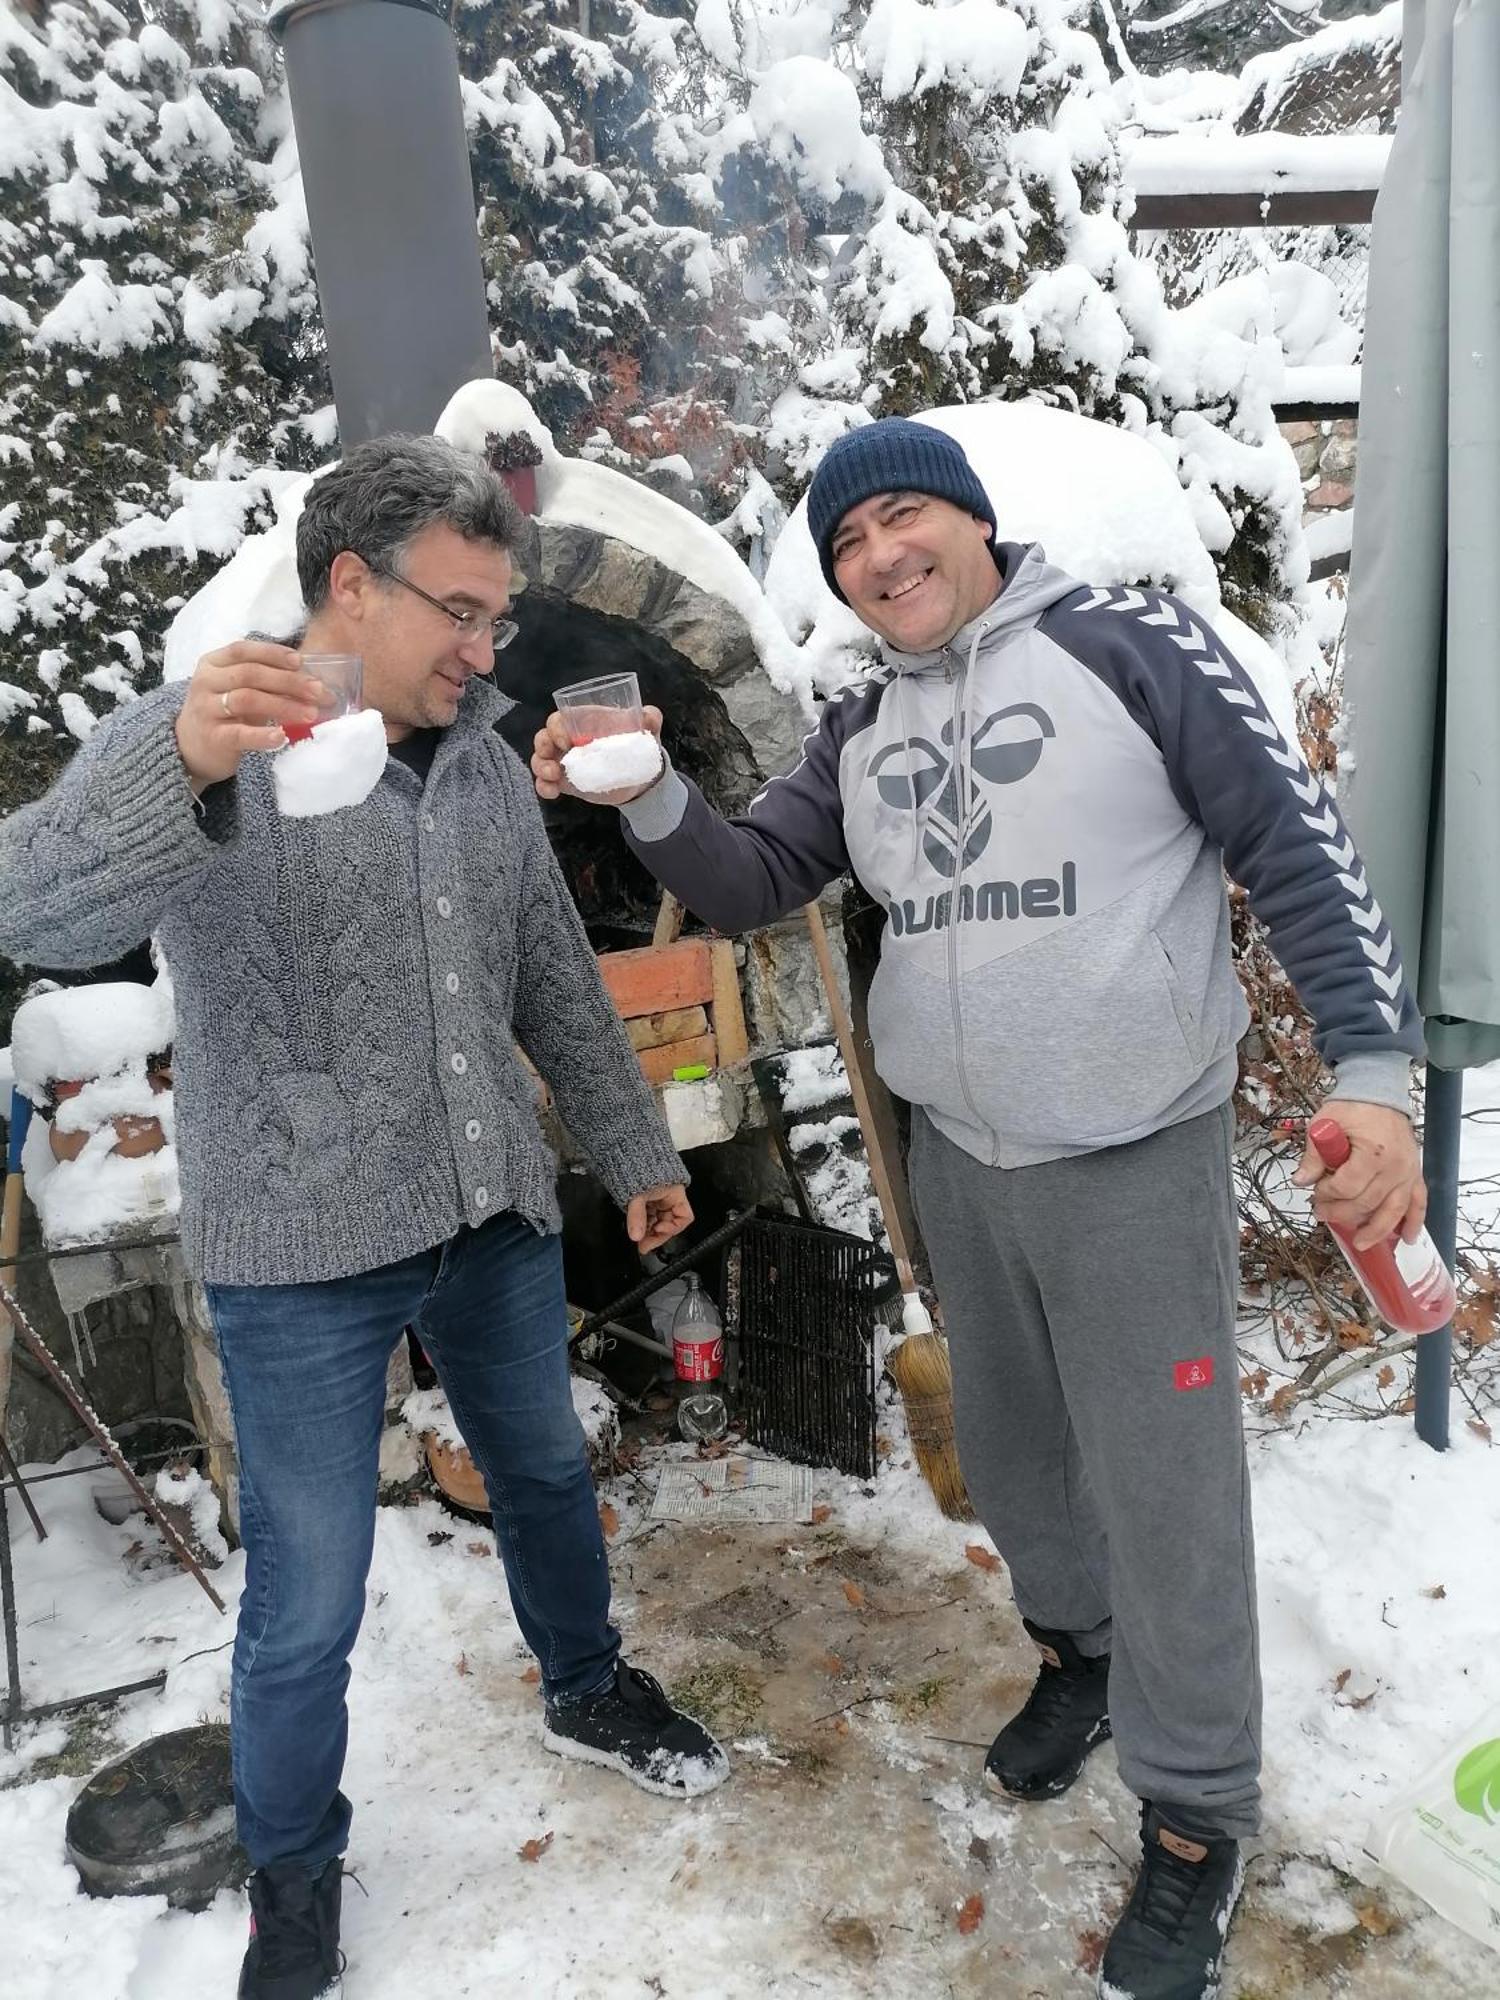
{"x": 1408, "y": 1284}
{"x": 698, "y": 1363}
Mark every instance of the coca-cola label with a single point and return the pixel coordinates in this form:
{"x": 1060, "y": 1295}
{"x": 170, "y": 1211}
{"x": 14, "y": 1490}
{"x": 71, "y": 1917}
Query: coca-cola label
{"x": 699, "y": 1360}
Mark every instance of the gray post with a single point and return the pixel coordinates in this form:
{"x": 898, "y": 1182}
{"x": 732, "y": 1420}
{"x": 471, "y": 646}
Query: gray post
{"x": 390, "y": 201}
{"x": 1440, "y": 1141}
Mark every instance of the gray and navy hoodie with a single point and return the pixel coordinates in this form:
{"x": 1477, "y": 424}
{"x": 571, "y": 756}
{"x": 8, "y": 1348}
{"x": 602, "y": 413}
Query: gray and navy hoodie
{"x": 1045, "y": 809}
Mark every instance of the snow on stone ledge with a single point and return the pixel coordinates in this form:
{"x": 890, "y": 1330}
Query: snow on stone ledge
{"x": 257, "y": 589}
{"x": 1318, "y": 383}
{"x": 1255, "y": 163}
{"x": 88, "y": 1031}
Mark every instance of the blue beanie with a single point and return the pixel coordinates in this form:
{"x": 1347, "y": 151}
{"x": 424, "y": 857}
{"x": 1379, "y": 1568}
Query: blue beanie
{"x": 891, "y": 456}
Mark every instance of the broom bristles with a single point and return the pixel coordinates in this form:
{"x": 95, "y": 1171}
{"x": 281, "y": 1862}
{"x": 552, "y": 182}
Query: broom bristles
{"x": 920, "y": 1369}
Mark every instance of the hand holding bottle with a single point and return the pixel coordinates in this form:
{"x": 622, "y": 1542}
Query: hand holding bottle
{"x": 1402, "y": 1272}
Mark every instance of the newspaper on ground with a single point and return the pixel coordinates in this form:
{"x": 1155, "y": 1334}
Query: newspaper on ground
{"x": 734, "y": 1488}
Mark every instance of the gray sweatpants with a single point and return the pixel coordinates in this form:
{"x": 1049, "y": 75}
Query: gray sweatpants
{"x": 1090, "y": 1313}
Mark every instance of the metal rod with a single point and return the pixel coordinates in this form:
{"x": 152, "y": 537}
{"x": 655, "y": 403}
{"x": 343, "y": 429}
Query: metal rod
{"x": 13, "y": 1477}
{"x": 156, "y": 1680}
{"x": 12, "y": 1647}
{"x": 1440, "y": 1143}
{"x": 41, "y": 1353}
{"x": 715, "y": 1238}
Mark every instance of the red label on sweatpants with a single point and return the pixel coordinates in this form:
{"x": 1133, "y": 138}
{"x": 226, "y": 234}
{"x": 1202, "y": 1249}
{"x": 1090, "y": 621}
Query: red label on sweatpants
{"x": 1197, "y": 1374}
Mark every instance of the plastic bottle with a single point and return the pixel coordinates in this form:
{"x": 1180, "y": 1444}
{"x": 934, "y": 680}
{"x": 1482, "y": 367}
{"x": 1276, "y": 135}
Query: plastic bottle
{"x": 698, "y": 1362}
{"x": 1408, "y": 1284}
{"x": 697, "y": 1335}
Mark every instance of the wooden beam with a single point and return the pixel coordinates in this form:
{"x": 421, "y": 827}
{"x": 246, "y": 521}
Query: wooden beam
{"x": 678, "y": 1024}
{"x": 1315, "y": 413}
{"x": 729, "y": 1011}
{"x": 1266, "y": 209}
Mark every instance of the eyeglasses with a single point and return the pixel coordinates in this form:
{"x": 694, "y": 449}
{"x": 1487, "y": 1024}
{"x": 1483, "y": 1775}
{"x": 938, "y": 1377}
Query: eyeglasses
{"x": 467, "y": 624}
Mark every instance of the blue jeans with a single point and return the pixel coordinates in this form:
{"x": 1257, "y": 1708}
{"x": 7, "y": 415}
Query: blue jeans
{"x": 305, "y": 1366}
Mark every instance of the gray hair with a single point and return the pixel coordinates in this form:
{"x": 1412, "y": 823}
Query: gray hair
{"x": 384, "y": 493}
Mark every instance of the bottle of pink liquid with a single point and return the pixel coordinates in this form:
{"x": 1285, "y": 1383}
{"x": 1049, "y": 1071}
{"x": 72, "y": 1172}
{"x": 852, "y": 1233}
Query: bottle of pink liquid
{"x": 1408, "y": 1284}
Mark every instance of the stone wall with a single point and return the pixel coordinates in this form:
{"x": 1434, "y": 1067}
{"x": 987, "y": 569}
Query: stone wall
{"x": 1327, "y": 454}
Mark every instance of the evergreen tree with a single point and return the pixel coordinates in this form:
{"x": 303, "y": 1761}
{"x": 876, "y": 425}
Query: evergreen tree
{"x": 158, "y": 341}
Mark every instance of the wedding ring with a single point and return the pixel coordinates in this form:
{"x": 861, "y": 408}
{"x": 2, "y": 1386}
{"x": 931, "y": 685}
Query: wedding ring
{"x": 224, "y": 703}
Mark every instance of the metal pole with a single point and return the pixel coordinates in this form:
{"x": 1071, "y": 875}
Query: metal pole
{"x": 1440, "y": 1140}
{"x": 378, "y": 114}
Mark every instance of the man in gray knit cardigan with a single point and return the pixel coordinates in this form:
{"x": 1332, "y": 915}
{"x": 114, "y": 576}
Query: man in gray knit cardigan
{"x": 358, "y": 1136}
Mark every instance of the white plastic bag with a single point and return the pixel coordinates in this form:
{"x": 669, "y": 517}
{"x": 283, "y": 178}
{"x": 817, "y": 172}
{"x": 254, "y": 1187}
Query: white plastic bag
{"x": 1442, "y": 1838}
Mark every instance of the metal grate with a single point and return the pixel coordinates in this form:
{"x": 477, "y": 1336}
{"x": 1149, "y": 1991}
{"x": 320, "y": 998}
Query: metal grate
{"x": 801, "y": 1305}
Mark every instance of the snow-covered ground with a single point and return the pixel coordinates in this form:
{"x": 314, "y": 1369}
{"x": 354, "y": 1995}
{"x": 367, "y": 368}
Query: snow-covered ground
{"x": 838, "y": 1861}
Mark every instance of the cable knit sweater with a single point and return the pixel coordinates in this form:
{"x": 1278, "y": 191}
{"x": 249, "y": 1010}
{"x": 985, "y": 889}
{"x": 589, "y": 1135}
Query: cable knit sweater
{"x": 349, "y": 992}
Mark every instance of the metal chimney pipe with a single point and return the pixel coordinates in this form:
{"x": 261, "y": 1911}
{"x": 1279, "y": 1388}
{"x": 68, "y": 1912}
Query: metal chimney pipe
{"x": 390, "y": 204}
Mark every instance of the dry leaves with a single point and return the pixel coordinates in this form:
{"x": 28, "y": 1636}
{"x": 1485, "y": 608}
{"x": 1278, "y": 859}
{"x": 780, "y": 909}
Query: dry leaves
{"x": 535, "y": 1849}
{"x": 609, "y": 1521}
{"x": 479, "y": 1548}
{"x": 854, "y": 1594}
{"x": 463, "y": 1666}
{"x": 831, "y": 1664}
{"x": 1283, "y": 1399}
{"x": 1255, "y": 1384}
{"x": 1385, "y": 1376}
{"x": 532, "y": 1675}
{"x": 1480, "y": 1429}
{"x": 970, "y": 1915}
{"x": 983, "y": 1558}
{"x": 1437, "y": 1590}
{"x": 1377, "y": 1920}
{"x": 821, "y": 1513}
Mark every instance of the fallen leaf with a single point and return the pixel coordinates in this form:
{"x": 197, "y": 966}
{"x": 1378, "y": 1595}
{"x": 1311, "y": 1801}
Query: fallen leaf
{"x": 855, "y": 1939}
{"x": 1254, "y": 1384}
{"x": 1437, "y": 1590}
{"x": 1480, "y": 1429}
{"x": 1363, "y": 1700}
{"x": 479, "y": 1548}
{"x": 841, "y": 1726}
{"x": 1283, "y": 1399}
{"x": 463, "y": 1664}
{"x": 983, "y": 1558}
{"x": 1341, "y": 1679}
{"x": 609, "y": 1520}
{"x": 821, "y": 1513}
{"x": 831, "y": 1664}
{"x": 854, "y": 1594}
{"x": 535, "y": 1849}
{"x": 1385, "y": 1377}
{"x": 1091, "y": 1950}
{"x": 980, "y": 1851}
{"x": 1376, "y": 1919}
{"x": 532, "y": 1675}
{"x": 970, "y": 1915}
{"x": 882, "y": 1447}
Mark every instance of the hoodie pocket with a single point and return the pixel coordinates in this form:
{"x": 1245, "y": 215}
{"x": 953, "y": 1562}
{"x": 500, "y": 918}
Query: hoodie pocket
{"x": 1182, "y": 1007}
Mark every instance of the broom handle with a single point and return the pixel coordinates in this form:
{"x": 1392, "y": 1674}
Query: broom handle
{"x": 843, "y": 1029}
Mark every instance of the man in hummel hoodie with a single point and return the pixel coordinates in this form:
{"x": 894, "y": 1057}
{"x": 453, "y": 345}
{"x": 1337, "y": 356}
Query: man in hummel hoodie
{"x": 1043, "y": 783}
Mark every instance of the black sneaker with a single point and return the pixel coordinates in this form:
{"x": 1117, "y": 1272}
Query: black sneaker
{"x": 1169, "y": 1943}
{"x": 1039, "y": 1752}
{"x": 294, "y": 1935}
{"x": 632, "y": 1727}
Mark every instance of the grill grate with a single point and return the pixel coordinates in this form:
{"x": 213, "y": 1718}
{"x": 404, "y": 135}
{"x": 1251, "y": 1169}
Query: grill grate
{"x": 801, "y": 1304}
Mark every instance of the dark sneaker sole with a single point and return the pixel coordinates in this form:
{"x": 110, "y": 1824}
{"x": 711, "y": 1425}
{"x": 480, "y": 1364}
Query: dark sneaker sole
{"x": 697, "y": 1774}
{"x": 1106, "y": 1989}
{"x": 1053, "y": 1788}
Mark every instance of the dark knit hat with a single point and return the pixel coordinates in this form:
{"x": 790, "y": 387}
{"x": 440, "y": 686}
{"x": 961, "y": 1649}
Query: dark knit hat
{"x": 891, "y": 456}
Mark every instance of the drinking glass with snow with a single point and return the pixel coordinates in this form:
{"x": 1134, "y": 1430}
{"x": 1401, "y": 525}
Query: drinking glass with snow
{"x": 611, "y": 748}
{"x": 342, "y": 674}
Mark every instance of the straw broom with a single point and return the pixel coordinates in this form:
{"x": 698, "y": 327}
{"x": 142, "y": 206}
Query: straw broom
{"x": 918, "y": 1364}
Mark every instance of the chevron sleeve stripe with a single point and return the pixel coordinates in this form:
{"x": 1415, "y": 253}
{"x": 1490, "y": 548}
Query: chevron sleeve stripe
{"x": 1279, "y": 827}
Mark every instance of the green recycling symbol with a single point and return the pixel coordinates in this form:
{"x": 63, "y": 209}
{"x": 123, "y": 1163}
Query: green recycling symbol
{"x": 1476, "y": 1781}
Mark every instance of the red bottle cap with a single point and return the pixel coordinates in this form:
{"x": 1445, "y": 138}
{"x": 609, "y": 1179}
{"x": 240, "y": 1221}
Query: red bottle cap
{"x": 1330, "y": 1141}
